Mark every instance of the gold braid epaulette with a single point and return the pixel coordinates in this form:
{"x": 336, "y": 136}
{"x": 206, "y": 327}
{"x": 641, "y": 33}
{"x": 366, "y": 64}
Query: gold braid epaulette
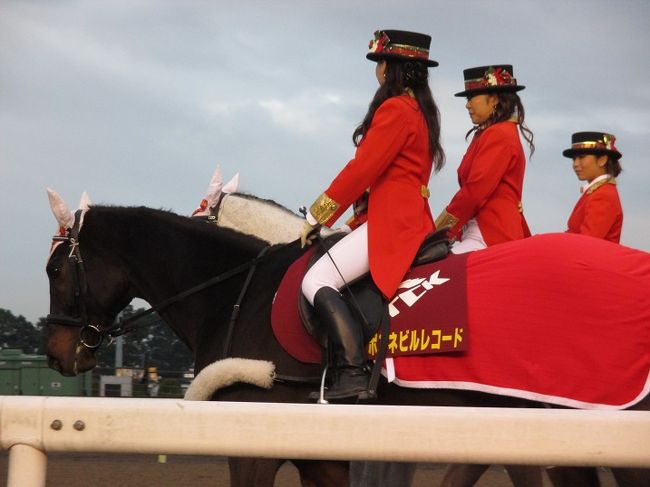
{"x": 600, "y": 183}
{"x": 446, "y": 219}
{"x": 323, "y": 208}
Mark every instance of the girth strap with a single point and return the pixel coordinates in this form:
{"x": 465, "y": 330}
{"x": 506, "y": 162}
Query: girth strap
{"x": 237, "y": 305}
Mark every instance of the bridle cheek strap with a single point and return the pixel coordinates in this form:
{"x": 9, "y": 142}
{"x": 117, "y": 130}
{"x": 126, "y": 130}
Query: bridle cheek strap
{"x": 90, "y": 336}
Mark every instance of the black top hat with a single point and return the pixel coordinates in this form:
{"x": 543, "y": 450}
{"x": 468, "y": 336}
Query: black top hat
{"x": 489, "y": 79}
{"x": 400, "y": 44}
{"x": 598, "y": 143}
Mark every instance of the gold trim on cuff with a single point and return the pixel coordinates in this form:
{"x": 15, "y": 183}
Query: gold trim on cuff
{"x": 323, "y": 208}
{"x": 446, "y": 219}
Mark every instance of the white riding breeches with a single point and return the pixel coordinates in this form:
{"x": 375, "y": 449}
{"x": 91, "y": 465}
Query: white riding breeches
{"x": 472, "y": 239}
{"x": 350, "y": 254}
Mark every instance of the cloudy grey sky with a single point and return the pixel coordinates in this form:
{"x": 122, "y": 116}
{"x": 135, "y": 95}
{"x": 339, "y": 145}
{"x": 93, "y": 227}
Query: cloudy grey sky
{"x": 137, "y": 101}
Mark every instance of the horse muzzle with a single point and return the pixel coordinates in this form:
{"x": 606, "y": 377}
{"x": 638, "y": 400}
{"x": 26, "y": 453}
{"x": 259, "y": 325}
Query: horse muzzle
{"x": 72, "y": 352}
{"x": 90, "y": 336}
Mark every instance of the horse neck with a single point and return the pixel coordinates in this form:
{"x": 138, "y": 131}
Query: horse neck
{"x": 262, "y": 219}
{"x": 165, "y": 255}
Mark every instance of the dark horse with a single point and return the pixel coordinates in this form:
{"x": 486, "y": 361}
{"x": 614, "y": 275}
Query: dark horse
{"x": 122, "y": 253}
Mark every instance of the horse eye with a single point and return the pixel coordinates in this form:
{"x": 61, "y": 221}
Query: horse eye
{"x": 53, "y": 272}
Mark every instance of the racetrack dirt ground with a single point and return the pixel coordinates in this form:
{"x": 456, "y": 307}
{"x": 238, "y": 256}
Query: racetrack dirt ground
{"x": 94, "y": 470}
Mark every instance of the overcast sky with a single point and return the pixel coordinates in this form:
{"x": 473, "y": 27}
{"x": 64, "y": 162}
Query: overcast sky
{"x": 137, "y": 102}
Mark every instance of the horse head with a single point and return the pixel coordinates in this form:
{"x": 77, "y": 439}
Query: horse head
{"x": 82, "y": 305}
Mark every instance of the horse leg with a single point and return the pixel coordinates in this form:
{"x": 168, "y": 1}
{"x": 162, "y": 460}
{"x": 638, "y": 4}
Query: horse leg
{"x": 381, "y": 474}
{"x": 467, "y": 475}
{"x": 573, "y": 476}
{"x": 525, "y": 475}
{"x": 319, "y": 473}
{"x": 463, "y": 475}
{"x": 253, "y": 472}
{"x": 632, "y": 477}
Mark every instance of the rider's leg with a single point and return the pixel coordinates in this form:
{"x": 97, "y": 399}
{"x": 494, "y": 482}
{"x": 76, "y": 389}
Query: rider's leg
{"x": 346, "y": 261}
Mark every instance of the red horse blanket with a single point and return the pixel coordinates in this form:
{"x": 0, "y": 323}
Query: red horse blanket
{"x": 558, "y": 318}
{"x": 414, "y": 328}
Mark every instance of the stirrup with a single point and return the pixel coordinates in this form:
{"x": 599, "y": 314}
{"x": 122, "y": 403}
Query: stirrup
{"x": 319, "y": 396}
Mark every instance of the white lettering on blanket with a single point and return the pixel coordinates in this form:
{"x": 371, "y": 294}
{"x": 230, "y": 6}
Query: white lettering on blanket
{"x": 416, "y": 288}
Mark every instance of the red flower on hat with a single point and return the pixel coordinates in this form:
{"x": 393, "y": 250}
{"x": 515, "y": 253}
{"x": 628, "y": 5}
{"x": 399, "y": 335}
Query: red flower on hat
{"x": 379, "y": 43}
{"x": 503, "y": 76}
{"x": 496, "y": 77}
{"x": 609, "y": 142}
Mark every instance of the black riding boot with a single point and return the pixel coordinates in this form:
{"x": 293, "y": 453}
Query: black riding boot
{"x": 346, "y": 338}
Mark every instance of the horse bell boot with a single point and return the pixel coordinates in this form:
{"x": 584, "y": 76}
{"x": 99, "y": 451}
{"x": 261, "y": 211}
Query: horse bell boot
{"x": 346, "y": 338}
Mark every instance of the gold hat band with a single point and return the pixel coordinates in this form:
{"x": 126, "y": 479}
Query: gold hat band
{"x": 597, "y": 144}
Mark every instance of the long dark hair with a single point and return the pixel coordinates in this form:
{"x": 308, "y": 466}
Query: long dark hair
{"x": 509, "y": 106}
{"x": 413, "y": 75}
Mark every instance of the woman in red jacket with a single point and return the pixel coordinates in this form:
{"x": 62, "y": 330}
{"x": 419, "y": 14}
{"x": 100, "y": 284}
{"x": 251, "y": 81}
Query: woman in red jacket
{"x": 487, "y": 208}
{"x": 398, "y": 146}
{"x": 598, "y": 212}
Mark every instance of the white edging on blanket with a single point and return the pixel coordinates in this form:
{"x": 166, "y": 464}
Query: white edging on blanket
{"x": 522, "y": 394}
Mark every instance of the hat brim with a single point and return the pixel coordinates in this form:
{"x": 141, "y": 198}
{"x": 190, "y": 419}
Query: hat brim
{"x": 571, "y": 153}
{"x": 378, "y": 57}
{"x": 491, "y": 89}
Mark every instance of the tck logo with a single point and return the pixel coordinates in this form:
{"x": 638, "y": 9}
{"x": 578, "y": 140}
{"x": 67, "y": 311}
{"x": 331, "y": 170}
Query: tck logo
{"x": 415, "y": 289}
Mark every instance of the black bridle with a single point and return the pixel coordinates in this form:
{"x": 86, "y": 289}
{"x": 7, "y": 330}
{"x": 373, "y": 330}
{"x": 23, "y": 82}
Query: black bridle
{"x": 92, "y": 335}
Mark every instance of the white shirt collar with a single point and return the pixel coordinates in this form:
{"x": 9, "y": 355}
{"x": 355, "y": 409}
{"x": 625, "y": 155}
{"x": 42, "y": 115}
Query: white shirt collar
{"x": 602, "y": 177}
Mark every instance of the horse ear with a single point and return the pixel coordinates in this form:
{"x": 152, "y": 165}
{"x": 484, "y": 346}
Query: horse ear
{"x": 211, "y": 195}
{"x": 84, "y": 206}
{"x": 84, "y": 202}
{"x": 231, "y": 186}
{"x": 215, "y": 187}
{"x": 61, "y": 212}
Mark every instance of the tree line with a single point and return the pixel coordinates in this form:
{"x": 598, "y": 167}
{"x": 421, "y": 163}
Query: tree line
{"x": 150, "y": 344}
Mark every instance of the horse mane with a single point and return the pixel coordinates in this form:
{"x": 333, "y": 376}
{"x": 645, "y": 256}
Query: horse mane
{"x": 269, "y": 202}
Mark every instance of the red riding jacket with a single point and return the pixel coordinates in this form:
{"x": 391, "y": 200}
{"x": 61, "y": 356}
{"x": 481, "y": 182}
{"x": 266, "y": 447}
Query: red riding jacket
{"x": 598, "y": 212}
{"x": 491, "y": 178}
{"x": 394, "y": 164}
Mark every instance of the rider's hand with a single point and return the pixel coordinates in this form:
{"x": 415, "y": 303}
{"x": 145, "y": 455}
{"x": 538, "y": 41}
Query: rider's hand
{"x": 308, "y": 234}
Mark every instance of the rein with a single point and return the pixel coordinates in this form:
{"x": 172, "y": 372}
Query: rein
{"x": 126, "y": 325}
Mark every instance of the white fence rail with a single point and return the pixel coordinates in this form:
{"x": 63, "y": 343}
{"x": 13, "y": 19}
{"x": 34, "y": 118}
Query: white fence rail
{"x": 32, "y": 426}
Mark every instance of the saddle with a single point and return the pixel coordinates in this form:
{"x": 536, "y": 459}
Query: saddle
{"x": 365, "y": 299}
